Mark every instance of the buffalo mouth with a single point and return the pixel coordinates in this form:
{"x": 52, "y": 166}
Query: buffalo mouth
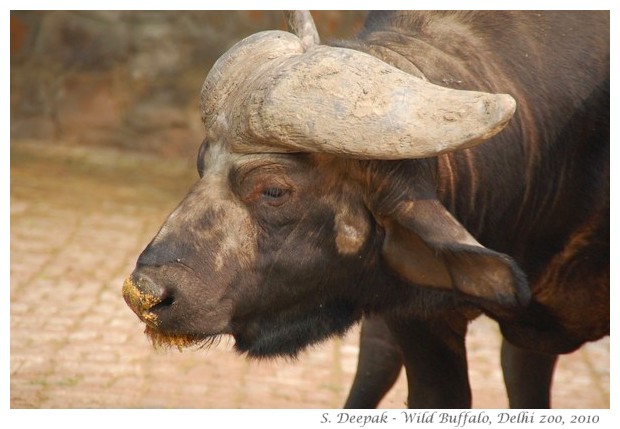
{"x": 266, "y": 337}
{"x": 173, "y": 319}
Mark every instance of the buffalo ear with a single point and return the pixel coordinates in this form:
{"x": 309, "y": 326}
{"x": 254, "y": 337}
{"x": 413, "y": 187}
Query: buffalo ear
{"x": 425, "y": 245}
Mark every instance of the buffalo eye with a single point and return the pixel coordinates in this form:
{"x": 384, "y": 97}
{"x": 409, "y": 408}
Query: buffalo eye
{"x": 274, "y": 196}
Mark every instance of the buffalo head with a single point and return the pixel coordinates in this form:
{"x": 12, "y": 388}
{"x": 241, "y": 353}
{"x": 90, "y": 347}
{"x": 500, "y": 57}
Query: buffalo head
{"x": 316, "y": 203}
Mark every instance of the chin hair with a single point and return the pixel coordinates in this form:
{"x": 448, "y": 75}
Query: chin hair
{"x": 161, "y": 339}
{"x": 289, "y": 335}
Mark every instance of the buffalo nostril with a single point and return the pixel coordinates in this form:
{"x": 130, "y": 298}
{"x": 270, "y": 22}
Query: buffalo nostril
{"x": 143, "y": 295}
{"x": 165, "y": 302}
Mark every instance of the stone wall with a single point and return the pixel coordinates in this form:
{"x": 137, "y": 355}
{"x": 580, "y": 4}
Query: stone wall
{"x": 128, "y": 79}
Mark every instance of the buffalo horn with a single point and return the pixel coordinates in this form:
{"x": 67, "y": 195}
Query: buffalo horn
{"x": 268, "y": 94}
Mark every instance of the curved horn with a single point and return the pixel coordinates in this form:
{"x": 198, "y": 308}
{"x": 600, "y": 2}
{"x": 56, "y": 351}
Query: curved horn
{"x": 274, "y": 97}
{"x": 233, "y": 70}
{"x": 301, "y": 24}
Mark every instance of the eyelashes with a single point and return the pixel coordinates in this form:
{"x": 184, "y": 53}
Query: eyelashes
{"x": 273, "y": 192}
{"x": 274, "y": 196}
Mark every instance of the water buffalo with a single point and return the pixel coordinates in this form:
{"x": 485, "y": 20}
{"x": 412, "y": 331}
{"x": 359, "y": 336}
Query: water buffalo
{"x": 392, "y": 176}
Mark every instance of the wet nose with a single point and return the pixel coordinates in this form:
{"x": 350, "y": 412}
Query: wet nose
{"x": 142, "y": 295}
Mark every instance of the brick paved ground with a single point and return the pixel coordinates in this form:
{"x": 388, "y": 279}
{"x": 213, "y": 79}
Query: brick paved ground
{"x": 79, "y": 218}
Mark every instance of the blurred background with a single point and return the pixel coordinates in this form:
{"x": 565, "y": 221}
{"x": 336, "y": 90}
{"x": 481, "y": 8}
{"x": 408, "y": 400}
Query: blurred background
{"x": 129, "y": 79}
{"x": 105, "y": 128}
